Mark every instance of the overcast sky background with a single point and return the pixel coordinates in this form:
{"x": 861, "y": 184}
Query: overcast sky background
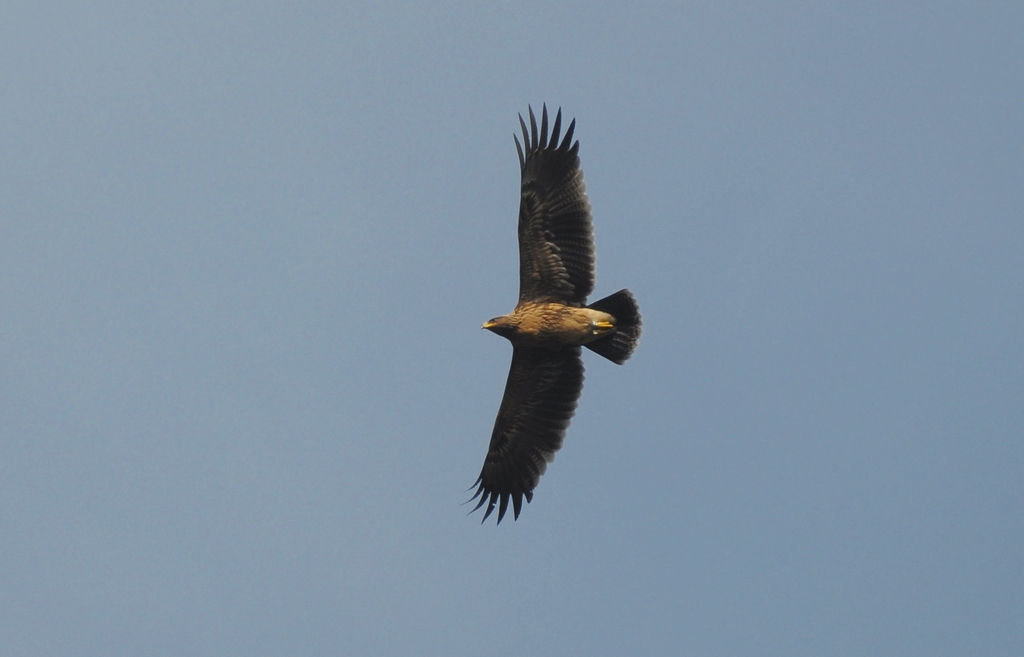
{"x": 246, "y": 249}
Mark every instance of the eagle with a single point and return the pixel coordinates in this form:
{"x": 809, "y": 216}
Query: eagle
{"x": 551, "y": 321}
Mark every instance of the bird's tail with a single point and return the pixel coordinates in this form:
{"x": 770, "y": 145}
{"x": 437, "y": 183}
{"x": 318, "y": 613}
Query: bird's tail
{"x": 619, "y": 345}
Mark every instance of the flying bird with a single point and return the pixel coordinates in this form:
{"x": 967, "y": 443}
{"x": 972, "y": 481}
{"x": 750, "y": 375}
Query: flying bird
{"x": 552, "y": 319}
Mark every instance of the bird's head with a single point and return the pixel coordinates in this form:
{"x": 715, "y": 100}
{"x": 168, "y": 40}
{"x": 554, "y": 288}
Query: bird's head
{"x": 504, "y": 325}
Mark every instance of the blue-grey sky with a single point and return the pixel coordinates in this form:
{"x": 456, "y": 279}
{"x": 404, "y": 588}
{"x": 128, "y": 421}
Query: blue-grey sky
{"x": 246, "y": 251}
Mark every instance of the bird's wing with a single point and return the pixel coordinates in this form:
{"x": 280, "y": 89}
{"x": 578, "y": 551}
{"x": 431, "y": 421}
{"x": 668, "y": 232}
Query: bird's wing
{"x": 556, "y": 234}
{"x": 540, "y": 399}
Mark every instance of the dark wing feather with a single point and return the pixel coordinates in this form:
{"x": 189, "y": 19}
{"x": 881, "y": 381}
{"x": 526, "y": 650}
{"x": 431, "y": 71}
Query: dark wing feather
{"x": 540, "y": 399}
{"x": 556, "y": 235}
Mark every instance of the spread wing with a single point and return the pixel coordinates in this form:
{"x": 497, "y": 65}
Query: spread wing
{"x": 540, "y": 399}
{"x": 556, "y": 235}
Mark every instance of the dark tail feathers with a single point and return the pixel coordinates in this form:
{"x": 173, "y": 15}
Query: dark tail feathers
{"x": 618, "y": 346}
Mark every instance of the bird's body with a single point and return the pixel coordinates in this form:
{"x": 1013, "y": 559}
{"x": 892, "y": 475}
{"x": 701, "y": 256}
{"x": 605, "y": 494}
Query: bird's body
{"x": 552, "y": 325}
{"x": 551, "y": 321}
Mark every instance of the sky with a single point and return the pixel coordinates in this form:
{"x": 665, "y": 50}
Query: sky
{"x": 246, "y": 249}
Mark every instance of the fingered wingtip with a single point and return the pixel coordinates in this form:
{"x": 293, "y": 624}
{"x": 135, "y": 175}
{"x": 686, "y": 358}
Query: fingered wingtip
{"x": 493, "y": 499}
{"x": 541, "y": 138}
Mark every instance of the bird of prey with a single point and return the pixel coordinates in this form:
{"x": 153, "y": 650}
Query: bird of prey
{"x": 552, "y": 319}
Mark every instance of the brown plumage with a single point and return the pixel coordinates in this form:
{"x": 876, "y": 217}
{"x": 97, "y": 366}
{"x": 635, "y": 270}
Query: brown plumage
{"x": 551, "y": 321}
